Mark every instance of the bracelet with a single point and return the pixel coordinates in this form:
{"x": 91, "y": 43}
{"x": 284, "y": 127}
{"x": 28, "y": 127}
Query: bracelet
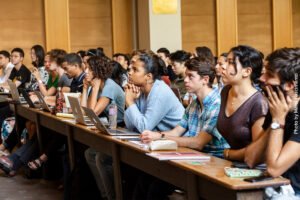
{"x": 227, "y": 153}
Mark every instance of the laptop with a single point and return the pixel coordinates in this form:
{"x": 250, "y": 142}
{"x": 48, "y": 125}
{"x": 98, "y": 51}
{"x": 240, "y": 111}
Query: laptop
{"x": 77, "y": 112}
{"x": 15, "y": 93}
{"x": 28, "y": 99}
{"x": 43, "y": 103}
{"x": 104, "y": 129}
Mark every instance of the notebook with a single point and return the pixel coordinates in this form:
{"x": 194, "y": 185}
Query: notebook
{"x": 44, "y": 105}
{"x": 14, "y": 92}
{"x": 179, "y": 156}
{"x": 77, "y": 112}
{"x": 104, "y": 129}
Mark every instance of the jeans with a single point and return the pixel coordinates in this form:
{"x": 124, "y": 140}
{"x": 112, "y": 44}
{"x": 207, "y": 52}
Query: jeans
{"x": 24, "y": 154}
{"x": 101, "y": 167}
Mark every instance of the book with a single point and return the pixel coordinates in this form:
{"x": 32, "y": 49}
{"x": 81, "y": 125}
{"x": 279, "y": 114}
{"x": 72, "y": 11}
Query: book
{"x": 178, "y": 156}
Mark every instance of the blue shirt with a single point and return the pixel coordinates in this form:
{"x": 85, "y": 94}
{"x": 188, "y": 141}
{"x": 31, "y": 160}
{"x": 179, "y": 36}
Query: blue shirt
{"x": 204, "y": 119}
{"x": 160, "y": 110}
{"x": 116, "y": 95}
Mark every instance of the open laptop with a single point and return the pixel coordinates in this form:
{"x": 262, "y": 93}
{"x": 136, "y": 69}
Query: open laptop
{"x": 28, "y": 99}
{"x": 77, "y": 112}
{"x": 15, "y": 93}
{"x": 104, "y": 129}
{"x": 43, "y": 103}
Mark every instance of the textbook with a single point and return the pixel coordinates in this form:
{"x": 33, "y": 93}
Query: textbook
{"x": 178, "y": 156}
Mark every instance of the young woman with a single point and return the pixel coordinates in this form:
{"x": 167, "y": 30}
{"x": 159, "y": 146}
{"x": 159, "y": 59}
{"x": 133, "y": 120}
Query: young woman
{"x": 37, "y": 54}
{"x": 99, "y": 91}
{"x": 243, "y": 108}
{"x": 220, "y": 66}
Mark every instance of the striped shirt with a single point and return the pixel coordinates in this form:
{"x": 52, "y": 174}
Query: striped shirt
{"x": 203, "y": 118}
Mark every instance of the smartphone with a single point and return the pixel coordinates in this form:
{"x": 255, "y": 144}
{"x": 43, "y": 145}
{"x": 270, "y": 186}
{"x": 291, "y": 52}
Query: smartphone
{"x": 258, "y": 179}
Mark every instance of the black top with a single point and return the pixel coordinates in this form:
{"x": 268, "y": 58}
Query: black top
{"x": 23, "y": 75}
{"x": 291, "y": 133}
{"x": 236, "y": 128}
{"x": 77, "y": 83}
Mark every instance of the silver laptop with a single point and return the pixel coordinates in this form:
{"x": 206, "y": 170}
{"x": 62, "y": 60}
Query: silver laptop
{"x": 15, "y": 93}
{"x": 43, "y": 103}
{"x": 102, "y": 128}
{"x": 77, "y": 112}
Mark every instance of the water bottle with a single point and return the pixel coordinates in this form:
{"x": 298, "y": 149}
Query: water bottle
{"x": 113, "y": 113}
{"x": 59, "y": 103}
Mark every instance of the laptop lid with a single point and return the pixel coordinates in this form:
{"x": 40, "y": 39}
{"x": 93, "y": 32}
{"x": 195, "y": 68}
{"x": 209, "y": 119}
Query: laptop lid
{"x": 102, "y": 128}
{"x": 44, "y": 105}
{"x": 13, "y": 90}
{"x": 27, "y": 98}
{"x": 77, "y": 112}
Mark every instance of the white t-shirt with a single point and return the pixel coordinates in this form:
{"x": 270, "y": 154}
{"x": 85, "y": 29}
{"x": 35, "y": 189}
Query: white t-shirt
{"x": 6, "y": 72}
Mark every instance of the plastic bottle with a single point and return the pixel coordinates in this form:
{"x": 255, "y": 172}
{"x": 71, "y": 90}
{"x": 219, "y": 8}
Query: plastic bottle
{"x": 113, "y": 114}
{"x": 59, "y": 104}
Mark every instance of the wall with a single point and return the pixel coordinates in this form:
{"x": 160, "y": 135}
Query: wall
{"x": 198, "y": 24}
{"x": 22, "y": 25}
{"x": 90, "y": 25}
{"x": 296, "y": 22}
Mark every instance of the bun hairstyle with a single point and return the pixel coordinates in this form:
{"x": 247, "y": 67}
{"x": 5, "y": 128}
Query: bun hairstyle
{"x": 202, "y": 67}
{"x": 285, "y": 62}
{"x": 248, "y": 57}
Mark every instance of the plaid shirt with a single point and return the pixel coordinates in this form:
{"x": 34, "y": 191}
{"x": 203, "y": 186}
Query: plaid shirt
{"x": 198, "y": 118}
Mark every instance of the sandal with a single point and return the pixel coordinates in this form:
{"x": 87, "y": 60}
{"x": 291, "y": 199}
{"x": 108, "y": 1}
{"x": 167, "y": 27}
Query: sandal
{"x": 6, "y": 165}
{"x": 35, "y": 164}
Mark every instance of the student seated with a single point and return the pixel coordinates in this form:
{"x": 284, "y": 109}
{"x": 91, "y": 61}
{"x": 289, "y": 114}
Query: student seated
{"x": 5, "y": 66}
{"x": 220, "y": 66}
{"x": 281, "y": 126}
{"x": 198, "y": 125}
{"x": 243, "y": 108}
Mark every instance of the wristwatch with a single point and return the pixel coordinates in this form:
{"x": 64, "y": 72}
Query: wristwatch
{"x": 276, "y": 125}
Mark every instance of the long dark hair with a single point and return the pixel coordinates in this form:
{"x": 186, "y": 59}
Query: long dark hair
{"x": 40, "y": 55}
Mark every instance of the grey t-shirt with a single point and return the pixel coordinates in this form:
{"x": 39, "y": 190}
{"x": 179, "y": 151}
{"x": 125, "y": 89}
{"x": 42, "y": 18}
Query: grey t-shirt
{"x": 64, "y": 81}
{"x": 115, "y": 93}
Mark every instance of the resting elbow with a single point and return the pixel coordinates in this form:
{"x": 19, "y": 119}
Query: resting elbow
{"x": 273, "y": 172}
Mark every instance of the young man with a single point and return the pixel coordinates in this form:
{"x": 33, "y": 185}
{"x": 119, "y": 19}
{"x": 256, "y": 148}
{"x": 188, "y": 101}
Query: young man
{"x": 20, "y": 74}
{"x": 282, "y": 125}
{"x": 198, "y": 126}
{"x": 72, "y": 66}
{"x": 282, "y": 135}
{"x": 5, "y": 65}
{"x": 164, "y": 54}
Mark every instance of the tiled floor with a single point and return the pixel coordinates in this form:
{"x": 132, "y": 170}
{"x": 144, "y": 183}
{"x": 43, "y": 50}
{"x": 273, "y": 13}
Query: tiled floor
{"x": 18, "y": 188}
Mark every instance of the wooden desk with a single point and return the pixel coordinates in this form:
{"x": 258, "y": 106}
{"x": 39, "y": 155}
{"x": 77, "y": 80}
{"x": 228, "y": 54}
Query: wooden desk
{"x": 207, "y": 181}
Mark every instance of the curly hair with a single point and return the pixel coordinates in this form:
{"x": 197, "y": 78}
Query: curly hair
{"x": 100, "y": 67}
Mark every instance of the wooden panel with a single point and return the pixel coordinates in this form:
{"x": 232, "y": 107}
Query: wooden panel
{"x": 255, "y": 24}
{"x": 296, "y": 22}
{"x": 122, "y": 26}
{"x": 90, "y": 25}
{"x": 227, "y": 24}
{"x": 57, "y": 24}
{"x": 198, "y": 24}
{"x": 22, "y": 25}
{"x": 282, "y": 23}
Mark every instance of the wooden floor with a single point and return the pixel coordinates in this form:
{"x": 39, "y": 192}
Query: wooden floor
{"x": 18, "y": 188}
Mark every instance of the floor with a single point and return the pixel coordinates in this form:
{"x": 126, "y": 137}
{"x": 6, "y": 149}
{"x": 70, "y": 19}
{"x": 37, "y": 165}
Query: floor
{"x": 18, "y": 188}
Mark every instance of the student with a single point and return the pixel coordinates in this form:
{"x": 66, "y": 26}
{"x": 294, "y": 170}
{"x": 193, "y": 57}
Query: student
{"x": 20, "y": 74}
{"x": 99, "y": 92}
{"x": 5, "y": 65}
{"x": 119, "y": 74}
{"x": 178, "y": 59}
{"x": 72, "y": 66}
{"x": 164, "y": 54}
{"x": 243, "y": 108}
{"x": 220, "y": 66}
{"x": 57, "y": 78}
{"x": 282, "y": 135}
{"x": 198, "y": 125}
{"x": 37, "y": 54}
{"x": 151, "y": 104}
